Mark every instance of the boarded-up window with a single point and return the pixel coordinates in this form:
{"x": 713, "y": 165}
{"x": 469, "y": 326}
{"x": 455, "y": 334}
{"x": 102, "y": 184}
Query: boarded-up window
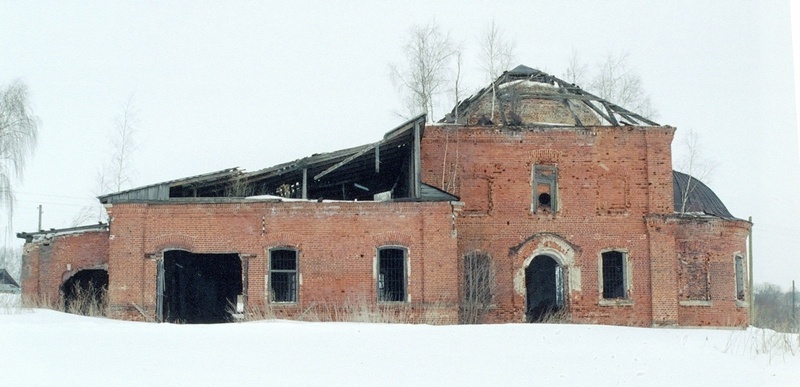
{"x": 478, "y": 190}
{"x": 694, "y": 276}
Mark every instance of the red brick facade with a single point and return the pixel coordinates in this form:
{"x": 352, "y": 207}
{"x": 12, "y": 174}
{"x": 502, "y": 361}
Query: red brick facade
{"x": 336, "y": 244}
{"x": 612, "y": 193}
{"x": 51, "y": 261}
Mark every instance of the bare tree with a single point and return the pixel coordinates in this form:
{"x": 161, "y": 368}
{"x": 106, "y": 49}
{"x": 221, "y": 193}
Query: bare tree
{"x": 428, "y": 52}
{"x": 776, "y": 309}
{"x": 694, "y": 164}
{"x": 19, "y": 129}
{"x": 449, "y": 176}
{"x": 619, "y": 84}
{"x": 497, "y": 54}
{"x": 116, "y": 174}
{"x": 576, "y": 69}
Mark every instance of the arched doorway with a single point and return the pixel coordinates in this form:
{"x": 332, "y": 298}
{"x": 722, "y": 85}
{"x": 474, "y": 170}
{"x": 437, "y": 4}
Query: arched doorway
{"x": 544, "y": 287}
{"x": 85, "y": 292}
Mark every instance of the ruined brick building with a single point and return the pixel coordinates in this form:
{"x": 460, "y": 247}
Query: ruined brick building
{"x": 541, "y": 199}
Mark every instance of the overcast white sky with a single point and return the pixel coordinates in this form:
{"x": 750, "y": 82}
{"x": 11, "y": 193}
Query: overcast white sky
{"x": 253, "y": 84}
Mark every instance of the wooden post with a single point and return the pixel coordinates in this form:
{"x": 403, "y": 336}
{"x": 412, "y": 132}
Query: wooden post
{"x": 305, "y": 183}
{"x": 750, "y": 270}
{"x": 378, "y": 158}
{"x": 417, "y": 161}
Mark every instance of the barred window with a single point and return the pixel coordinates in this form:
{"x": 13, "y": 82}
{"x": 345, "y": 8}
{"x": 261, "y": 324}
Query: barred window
{"x": 283, "y": 275}
{"x": 392, "y": 274}
{"x": 613, "y": 275}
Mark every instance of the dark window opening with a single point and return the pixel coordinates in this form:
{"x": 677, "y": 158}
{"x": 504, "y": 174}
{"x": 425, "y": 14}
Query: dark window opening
{"x": 545, "y": 179}
{"x": 740, "y": 295}
{"x": 85, "y": 292}
{"x": 392, "y": 275}
{"x": 200, "y": 288}
{"x": 283, "y": 275}
{"x": 613, "y": 275}
{"x": 544, "y": 289}
{"x": 544, "y": 199}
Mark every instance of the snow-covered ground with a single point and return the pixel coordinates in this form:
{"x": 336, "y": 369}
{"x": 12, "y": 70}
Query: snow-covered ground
{"x": 47, "y": 348}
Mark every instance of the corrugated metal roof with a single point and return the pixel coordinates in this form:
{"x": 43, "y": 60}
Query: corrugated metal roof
{"x": 160, "y": 191}
{"x": 700, "y": 198}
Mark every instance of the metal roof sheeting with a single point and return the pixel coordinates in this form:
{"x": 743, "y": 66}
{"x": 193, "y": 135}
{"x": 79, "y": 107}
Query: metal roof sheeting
{"x": 700, "y": 198}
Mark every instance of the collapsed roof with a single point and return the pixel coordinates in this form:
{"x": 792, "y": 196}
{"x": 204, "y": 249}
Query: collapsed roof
{"x": 526, "y": 96}
{"x": 384, "y": 170}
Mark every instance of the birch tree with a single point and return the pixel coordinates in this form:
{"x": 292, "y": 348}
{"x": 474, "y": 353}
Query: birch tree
{"x": 617, "y": 83}
{"x": 576, "y": 70}
{"x": 19, "y": 129}
{"x": 497, "y": 55}
{"x": 694, "y": 164}
{"x": 116, "y": 174}
{"x": 422, "y": 77}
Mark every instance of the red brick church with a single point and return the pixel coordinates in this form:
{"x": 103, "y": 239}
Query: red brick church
{"x": 531, "y": 198}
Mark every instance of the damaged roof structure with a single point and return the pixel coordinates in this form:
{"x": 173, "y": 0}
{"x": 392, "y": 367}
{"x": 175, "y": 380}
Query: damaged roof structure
{"x": 384, "y": 170}
{"x": 531, "y": 198}
{"x": 524, "y": 89}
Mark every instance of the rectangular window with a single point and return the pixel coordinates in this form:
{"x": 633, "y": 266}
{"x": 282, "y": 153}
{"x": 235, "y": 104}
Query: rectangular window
{"x": 613, "y": 275}
{"x": 283, "y": 275}
{"x": 740, "y": 295}
{"x": 392, "y": 275}
{"x": 544, "y": 179}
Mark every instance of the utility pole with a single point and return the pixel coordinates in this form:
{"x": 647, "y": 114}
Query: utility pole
{"x": 750, "y": 271}
{"x": 794, "y": 307}
{"x": 40, "y": 217}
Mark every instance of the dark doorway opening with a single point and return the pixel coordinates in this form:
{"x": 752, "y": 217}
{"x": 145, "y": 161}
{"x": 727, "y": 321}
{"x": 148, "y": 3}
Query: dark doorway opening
{"x": 85, "y": 292}
{"x": 544, "y": 285}
{"x": 198, "y": 288}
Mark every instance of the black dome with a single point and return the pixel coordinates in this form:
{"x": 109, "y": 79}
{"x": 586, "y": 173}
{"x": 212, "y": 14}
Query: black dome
{"x": 700, "y": 198}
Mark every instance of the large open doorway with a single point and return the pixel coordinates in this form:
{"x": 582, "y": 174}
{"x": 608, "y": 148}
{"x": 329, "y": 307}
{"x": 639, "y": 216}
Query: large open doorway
{"x": 544, "y": 285}
{"x": 198, "y": 288}
{"x": 85, "y": 292}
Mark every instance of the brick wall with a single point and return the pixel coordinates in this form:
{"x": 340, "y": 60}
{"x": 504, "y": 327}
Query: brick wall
{"x": 609, "y": 180}
{"x": 47, "y": 263}
{"x": 336, "y": 243}
{"x": 715, "y": 243}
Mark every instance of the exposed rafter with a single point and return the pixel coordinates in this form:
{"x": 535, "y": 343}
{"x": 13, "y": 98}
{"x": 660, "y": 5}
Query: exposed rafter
{"x": 555, "y": 89}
